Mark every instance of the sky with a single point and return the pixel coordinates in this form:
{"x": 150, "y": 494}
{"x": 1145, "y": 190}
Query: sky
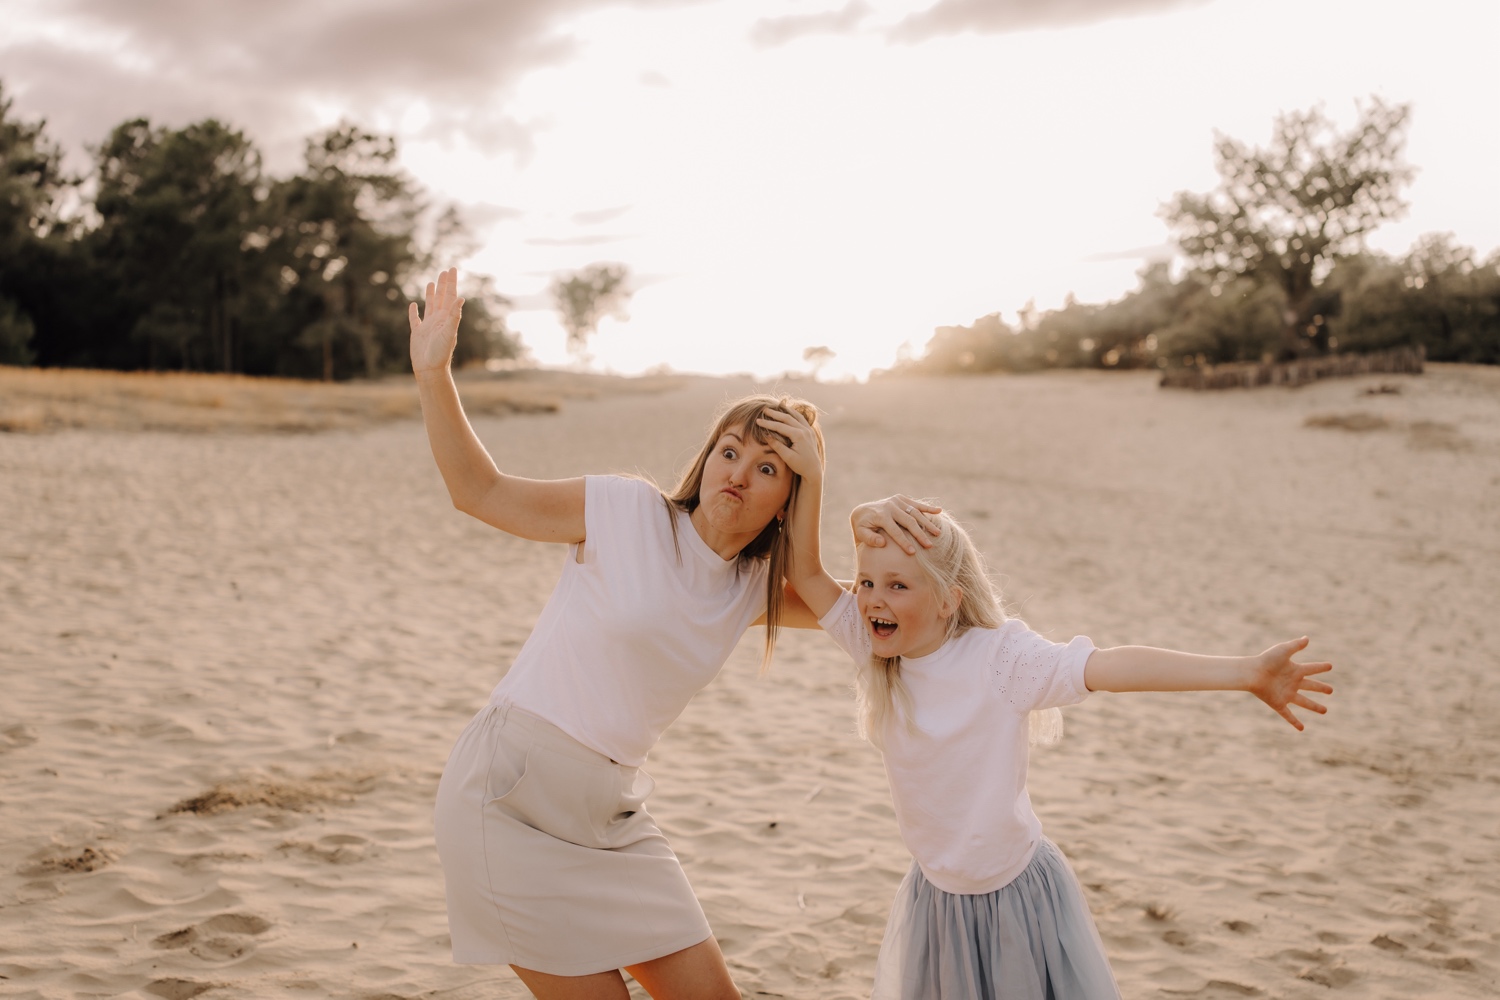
{"x": 783, "y": 174}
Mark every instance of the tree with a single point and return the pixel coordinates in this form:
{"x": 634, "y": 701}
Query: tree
{"x": 175, "y": 210}
{"x": 343, "y": 233}
{"x": 818, "y": 356}
{"x": 1282, "y": 214}
{"x": 586, "y": 297}
{"x": 31, "y": 180}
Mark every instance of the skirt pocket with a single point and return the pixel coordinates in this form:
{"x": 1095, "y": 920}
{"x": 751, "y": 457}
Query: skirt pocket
{"x": 564, "y": 797}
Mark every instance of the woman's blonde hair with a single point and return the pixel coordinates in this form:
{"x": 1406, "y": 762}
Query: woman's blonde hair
{"x": 774, "y": 543}
{"x": 953, "y": 561}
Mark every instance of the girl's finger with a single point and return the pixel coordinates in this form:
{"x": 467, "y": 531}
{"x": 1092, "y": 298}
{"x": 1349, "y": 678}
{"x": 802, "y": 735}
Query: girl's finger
{"x": 413, "y": 316}
{"x": 1310, "y": 705}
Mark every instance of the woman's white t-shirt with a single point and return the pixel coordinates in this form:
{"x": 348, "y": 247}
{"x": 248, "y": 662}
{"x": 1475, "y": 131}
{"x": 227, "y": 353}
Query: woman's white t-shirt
{"x": 959, "y": 781}
{"x": 636, "y": 627}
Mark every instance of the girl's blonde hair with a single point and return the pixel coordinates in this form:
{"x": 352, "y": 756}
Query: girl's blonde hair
{"x": 953, "y": 561}
{"x": 774, "y": 543}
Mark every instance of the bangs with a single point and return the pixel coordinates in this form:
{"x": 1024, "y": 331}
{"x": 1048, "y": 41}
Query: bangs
{"x": 747, "y": 415}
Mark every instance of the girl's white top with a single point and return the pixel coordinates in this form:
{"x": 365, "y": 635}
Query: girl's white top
{"x": 959, "y": 781}
{"x": 633, "y": 630}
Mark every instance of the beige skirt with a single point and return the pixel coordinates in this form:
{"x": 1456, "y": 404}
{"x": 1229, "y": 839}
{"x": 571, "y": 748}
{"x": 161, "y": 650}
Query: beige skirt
{"x": 550, "y": 859}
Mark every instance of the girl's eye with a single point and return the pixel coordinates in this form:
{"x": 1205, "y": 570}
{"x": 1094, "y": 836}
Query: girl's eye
{"x": 898, "y": 586}
{"x": 730, "y": 454}
{"x": 864, "y": 583}
{"x": 768, "y": 469}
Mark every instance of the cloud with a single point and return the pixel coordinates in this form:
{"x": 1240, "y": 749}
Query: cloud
{"x": 770, "y": 32}
{"x": 482, "y": 214}
{"x": 1151, "y": 254}
{"x": 577, "y": 241}
{"x": 278, "y": 68}
{"x": 952, "y": 17}
{"x": 595, "y": 216}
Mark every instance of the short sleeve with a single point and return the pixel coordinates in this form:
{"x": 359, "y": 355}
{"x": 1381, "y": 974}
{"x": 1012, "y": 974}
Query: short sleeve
{"x": 608, "y": 503}
{"x": 843, "y": 626}
{"x": 1035, "y": 672}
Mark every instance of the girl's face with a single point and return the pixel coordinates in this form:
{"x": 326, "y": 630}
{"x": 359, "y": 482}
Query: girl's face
{"x": 745, "y": 483}
{"x": 903, "y": 612}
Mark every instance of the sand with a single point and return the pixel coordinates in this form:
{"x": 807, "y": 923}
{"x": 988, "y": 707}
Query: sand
{"x": 232, "y": 665}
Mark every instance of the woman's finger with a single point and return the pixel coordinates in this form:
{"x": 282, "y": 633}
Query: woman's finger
{"x": 413, "y": 316}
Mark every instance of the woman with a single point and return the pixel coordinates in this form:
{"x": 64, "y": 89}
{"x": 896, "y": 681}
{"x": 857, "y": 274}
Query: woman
{"x": 552, "y": 863}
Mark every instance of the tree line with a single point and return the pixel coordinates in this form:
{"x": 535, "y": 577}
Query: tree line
{"x": 179, "y": 251}
{"x": 1277, "y": 270}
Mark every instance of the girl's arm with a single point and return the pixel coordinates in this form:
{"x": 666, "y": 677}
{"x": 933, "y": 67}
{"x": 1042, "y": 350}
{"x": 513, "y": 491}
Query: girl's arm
{"x": 818, "y": 591}
{"x": 1273, "y": 676}
{"x": 543, "y": 510}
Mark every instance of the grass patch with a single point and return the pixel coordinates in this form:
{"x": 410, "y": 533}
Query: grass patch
{"x": 39, "y": 400}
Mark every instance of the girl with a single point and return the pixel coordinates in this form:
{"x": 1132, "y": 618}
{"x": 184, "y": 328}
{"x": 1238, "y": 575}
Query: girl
{"x": 946, "y": 685}
{"x": 552, "y": 863}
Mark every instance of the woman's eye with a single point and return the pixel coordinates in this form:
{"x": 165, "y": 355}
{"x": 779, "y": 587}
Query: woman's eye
{"x": 768, "y": 469}
{"x": 730, "y": 454}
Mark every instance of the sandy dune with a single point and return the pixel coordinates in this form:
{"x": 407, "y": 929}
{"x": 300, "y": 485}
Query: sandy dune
{"x": 231, "y": 667}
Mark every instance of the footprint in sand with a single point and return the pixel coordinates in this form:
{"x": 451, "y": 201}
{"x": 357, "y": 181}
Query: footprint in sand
{"x": 336, "y": 849}
{"x": 177, "y": 989}
{"x": 16, "y": 736}
{"x": 223, "y": 938}
{"x": 1319, "y": 967}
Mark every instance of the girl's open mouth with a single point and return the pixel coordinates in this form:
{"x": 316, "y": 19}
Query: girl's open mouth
{"x": 882, "y": 628}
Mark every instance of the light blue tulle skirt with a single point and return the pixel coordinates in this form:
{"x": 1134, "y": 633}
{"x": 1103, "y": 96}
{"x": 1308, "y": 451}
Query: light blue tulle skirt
{"x": 1030, "y": 940}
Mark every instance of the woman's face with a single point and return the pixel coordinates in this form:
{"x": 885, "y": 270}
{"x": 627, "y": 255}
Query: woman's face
{"x": 745, "y": 483}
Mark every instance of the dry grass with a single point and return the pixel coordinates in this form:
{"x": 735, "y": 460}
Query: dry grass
{"x": 37, "y": 400}
{"x": 1357, "y": 422}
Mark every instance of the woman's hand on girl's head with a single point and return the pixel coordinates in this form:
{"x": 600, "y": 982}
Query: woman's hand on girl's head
{"x": 898, "y": 517}
{"x": 800, "y": 450}
{"x": 434, "y": 335}
{"x": 1280, "y": 681}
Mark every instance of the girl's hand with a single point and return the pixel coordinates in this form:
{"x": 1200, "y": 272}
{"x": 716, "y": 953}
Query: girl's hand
{"x": 898, "y": 517}
{"x": 1279, "y": 681}
{"x": 800, "y": 450}
{"x": 434, "y": 335}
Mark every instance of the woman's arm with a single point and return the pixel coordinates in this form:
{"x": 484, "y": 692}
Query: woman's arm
{"x": 1273, "y": 676}
{"x": 817, "y": 590}
{"x": 543, "y": 510}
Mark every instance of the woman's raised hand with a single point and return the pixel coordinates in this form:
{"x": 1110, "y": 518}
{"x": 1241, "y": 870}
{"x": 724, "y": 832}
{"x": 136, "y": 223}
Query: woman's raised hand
{"x": 1279, "y": 681}
{"x": 898, "y": 517}
{"x": 800, "y": 450}
{"x": 434, "y": 335}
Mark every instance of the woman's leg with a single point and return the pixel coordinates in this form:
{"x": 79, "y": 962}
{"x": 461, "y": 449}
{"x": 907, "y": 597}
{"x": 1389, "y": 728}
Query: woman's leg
{"x": 600, "y": 986}
{"x": 696, "y": 973}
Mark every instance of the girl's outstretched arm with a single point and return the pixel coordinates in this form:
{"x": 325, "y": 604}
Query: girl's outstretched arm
{"x": 544, "y": 510}
{"x": 806, "y": 575}
{"x": 1273, "y": 676}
